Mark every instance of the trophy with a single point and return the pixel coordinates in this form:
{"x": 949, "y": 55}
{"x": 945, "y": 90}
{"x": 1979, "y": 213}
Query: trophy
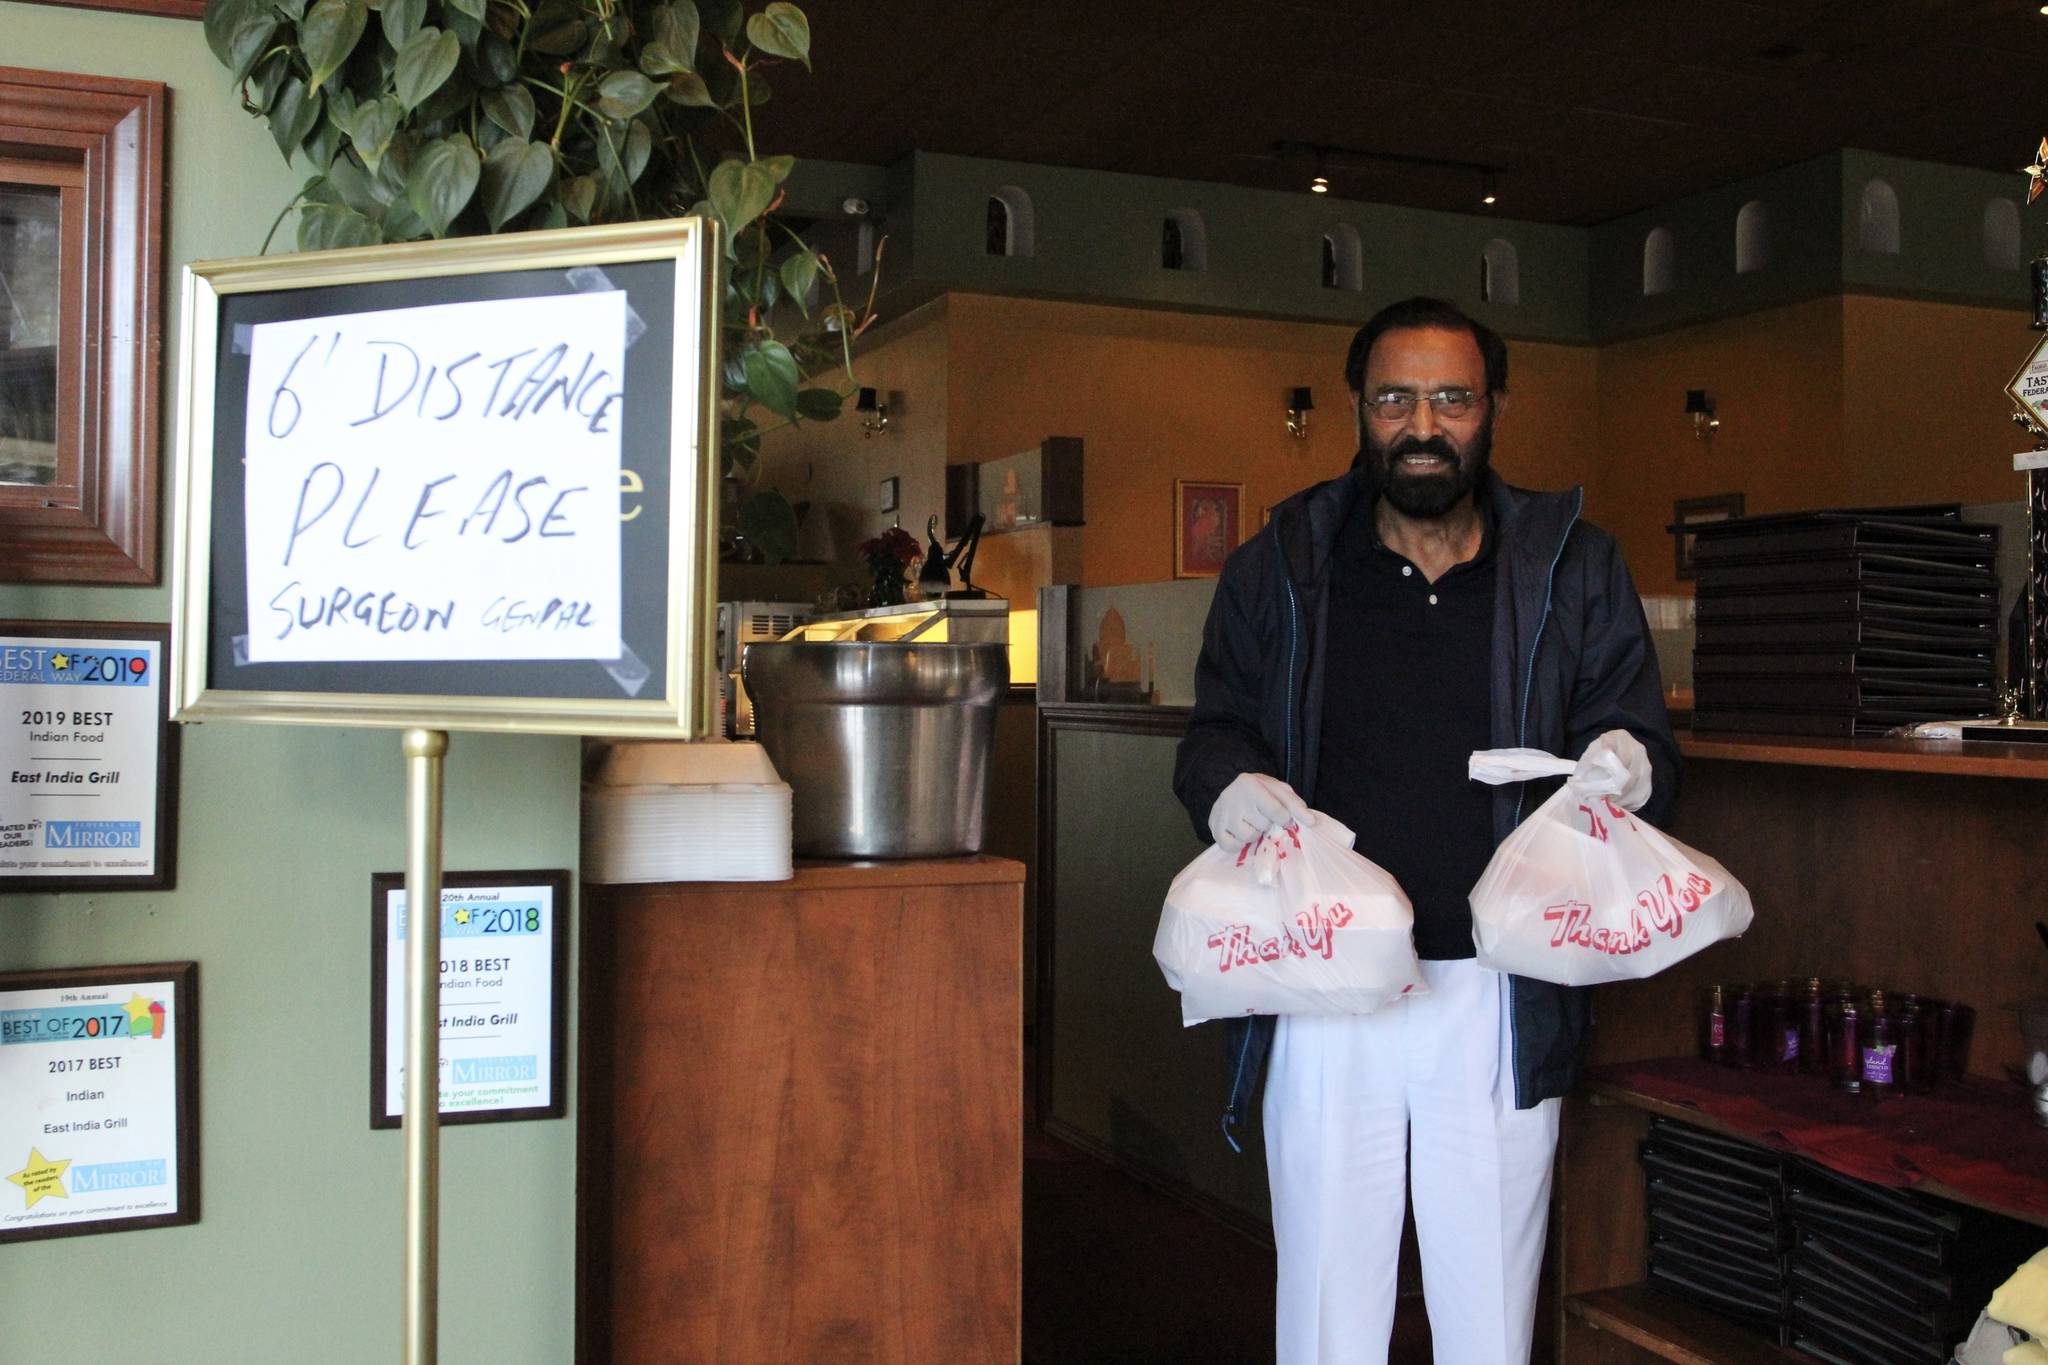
{"x": 2028, "y": 389}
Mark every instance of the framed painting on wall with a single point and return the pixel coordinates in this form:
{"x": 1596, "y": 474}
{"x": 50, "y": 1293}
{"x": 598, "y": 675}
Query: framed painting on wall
{"x": 1208, "y": 522}
{"x": 1690, "y": 512}
{"x": 81, "y": 190}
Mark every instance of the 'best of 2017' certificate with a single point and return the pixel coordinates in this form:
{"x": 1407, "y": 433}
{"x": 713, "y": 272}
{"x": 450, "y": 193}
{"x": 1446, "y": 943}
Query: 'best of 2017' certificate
{"x": 78, "y": 747}
{"x": 88, "y": 1105}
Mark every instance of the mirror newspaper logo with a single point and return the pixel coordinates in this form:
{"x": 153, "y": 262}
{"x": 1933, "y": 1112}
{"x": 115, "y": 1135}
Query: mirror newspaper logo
{"x": 92, "y": 834}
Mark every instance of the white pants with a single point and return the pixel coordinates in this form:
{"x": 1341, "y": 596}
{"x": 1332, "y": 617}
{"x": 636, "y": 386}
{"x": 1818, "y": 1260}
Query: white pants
{"x": 1343, "y": 1095}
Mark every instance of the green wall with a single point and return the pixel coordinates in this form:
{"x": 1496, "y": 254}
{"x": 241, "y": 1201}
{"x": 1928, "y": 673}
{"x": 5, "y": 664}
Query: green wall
{"x": 297, "y": 1254}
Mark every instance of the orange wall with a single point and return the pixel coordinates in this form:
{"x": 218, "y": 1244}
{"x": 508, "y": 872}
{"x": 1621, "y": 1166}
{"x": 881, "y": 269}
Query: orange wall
{"x": 1924, "y": 415}
{"x": 1157, "y": 396}
{"x": 1776, "y": 381}
{"x": 1818, "y": 405}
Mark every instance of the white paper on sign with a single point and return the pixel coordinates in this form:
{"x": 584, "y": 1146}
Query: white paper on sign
{"x": 437, "y": 483}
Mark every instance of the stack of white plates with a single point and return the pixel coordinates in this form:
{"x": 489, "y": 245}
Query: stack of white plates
{"x": 661, "y": 811}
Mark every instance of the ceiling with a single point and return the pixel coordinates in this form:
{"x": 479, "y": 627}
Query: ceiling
{"x": 1592, "y": 109}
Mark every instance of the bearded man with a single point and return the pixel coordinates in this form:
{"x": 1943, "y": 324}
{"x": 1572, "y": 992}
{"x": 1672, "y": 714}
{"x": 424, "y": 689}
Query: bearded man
{"x": 1382, "y": 627}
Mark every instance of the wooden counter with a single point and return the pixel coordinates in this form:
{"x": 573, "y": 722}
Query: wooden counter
{"x": 799, "y": 1117}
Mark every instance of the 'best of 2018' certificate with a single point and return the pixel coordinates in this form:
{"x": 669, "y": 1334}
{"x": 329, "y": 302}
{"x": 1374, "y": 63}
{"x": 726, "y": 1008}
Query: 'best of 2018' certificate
{"x": 88, "y": 1104}
{"x": 497, "y": 999}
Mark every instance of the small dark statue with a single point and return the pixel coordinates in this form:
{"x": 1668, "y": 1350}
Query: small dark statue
{"x": 936, "y": 577}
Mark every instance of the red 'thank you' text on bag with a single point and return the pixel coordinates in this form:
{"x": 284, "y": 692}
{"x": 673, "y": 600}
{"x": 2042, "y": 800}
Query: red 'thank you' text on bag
{"x": 1295, "y": 923}
{"x": 1583, "y": 891}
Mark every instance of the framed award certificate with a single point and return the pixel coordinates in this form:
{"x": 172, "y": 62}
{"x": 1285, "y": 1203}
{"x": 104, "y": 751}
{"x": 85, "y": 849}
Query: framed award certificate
{"x": 88, "y": 755}
{"x": 504, "y": 996}
{"x": 97, "y": 1093}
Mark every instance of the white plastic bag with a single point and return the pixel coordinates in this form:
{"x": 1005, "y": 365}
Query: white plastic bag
{"x": 1294, "y": 924}
{"x": 1584, "y": 892}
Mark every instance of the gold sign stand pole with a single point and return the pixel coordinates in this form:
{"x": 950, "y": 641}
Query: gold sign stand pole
{"x": 424, "y": 750}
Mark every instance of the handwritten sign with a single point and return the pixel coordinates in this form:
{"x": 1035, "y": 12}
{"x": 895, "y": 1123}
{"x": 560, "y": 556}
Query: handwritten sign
{"x": 437, "y": 483}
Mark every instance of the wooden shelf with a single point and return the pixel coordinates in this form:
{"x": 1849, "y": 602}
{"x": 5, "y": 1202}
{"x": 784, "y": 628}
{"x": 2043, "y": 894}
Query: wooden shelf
{"x": 1956, "y": 757}
{"x": 1611, "y": 1092}
{"x": 1672, "y": 1329}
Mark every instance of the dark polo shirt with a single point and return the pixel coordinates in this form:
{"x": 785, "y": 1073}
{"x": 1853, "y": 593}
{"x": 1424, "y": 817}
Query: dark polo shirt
{"x": 1406, "y": 700}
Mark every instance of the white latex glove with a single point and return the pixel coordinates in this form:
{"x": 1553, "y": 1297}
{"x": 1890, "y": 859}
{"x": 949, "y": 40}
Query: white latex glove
{"x": 1616, "y": 765}
{"x": 1252, "y": 804}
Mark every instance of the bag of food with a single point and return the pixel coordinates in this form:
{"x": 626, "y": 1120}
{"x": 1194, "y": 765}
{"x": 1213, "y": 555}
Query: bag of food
{"x": 1295, "y": 923}
{"x": 1583, "y": 891}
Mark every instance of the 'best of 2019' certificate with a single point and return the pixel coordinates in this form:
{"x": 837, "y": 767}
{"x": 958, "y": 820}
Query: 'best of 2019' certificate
{"x": 88, "y": 1104}
{"x": 78, "y": 744}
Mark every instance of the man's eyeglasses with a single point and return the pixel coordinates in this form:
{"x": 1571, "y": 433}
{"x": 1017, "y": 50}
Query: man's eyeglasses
{"x": 1398, "y": 405}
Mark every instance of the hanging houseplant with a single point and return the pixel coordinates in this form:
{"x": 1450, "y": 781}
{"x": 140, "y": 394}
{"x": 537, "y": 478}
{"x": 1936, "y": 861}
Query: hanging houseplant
{"x": 421, "y": 119}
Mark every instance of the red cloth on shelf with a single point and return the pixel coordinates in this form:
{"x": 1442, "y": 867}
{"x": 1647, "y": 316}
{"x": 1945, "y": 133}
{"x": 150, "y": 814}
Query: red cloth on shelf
{"x": 1978, "y": 1138}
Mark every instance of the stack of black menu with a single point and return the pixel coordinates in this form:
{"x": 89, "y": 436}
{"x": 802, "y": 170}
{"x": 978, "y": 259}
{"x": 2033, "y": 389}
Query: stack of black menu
{"x": 1719, "y": 1230}
{"x": 1847, "y": 622}
{"x": 1884, "y": 1277}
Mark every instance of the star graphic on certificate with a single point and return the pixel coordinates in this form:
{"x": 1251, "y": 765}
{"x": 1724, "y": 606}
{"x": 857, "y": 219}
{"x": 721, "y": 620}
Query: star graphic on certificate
{"x": 138, "y": 1012}
{"x": 41, "y": 1177}
{"x": 462, "y": 916}
{"x": 2034, "y": 172}
{"x": 61, "y": 661}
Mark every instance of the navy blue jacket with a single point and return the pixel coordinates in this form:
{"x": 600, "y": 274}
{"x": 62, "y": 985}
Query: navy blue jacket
{"x": 1571, "y": 660}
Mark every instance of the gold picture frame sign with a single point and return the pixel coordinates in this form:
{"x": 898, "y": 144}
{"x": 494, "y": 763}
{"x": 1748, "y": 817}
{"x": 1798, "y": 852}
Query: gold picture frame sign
{"x": 671, "y": 266}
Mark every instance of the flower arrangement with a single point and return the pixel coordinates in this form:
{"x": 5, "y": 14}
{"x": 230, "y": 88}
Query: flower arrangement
{"x": 888, "y": 558}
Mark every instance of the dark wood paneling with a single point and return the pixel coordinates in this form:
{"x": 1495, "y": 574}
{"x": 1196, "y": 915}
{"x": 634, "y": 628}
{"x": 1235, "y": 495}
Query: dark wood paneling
{"x": 809, "y": 1143}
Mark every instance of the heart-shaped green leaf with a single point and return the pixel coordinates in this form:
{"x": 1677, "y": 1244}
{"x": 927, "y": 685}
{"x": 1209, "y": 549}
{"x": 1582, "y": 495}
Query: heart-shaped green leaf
{"x": 820, "y": 405}
{"x": 444, "y": 178}
{"x": 329, "y": 33}
{"x": 723, "y": 18}
{"x": 783, "y": 30}
{"x": 402, "y": 19}
{"x": 515, "y": 174}
{"x": 771, "y": 378}
{"x": 688, "y": 88}
{"x": 740, "y": 190}
{"x": 497, "y": 64}
{"x": 579, "y": 197}
{"x": 473, "y": 8}
{"x": 639, "y": 146}
{"x": 623, "y": 94}
{"x": 658, "y": 59}
{"x": 675, "y": 26}
{"x": 238, "y": 31}
{"x": 371, "y": 128}
{"x": 511, "y": 109}
{"x": 322, "y": 226}
{"x": 353, "y": 187}
{"x": 293, "y": 116}
{"x": 324, "y": 141}
{"x": 423, "y": 64}
{"x": 799, "y": 272}
{"x": 769, "y": 524}
{"x": 556, "y": 29}
{"x": 293, "y": 10}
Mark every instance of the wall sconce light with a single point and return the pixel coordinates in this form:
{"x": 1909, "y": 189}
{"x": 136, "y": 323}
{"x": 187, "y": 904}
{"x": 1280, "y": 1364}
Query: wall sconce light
{"x": 874, "y": 413}
{"x": 1488, "y": 188}
{"x": 1300, "y": 402}
{"x": 1700, "y": 407}
{"x": 1321, "y": 183}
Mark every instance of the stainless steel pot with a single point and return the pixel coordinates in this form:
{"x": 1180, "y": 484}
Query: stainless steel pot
{"x": 884, "y": 744}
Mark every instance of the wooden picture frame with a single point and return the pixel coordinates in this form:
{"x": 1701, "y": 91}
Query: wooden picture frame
{"x": 163, "y": 9}
{"x": 387, "y": 1052}
{"x": 1208, "y": 523}
{"x": 1689, "y": 512}
{"x": 62, "y": 1132}
{"x": 82, "y": 688}
{"x": 96, "y": 146}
